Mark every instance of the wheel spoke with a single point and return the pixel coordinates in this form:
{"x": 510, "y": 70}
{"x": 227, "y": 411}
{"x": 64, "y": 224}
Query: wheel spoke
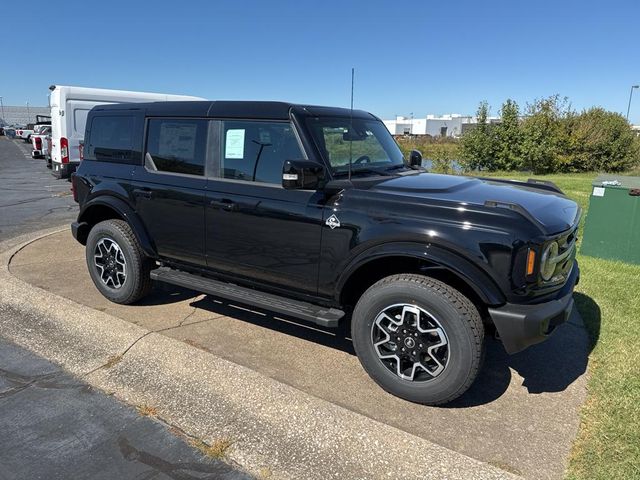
{"x": 410, "y": 342}
{"x": 110, "y": 263}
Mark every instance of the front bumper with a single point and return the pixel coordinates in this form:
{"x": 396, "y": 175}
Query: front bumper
{"x": 520, "y": 326}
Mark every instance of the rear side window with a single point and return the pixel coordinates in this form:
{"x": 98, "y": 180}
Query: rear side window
{"x": 111, "y": 139}
{"x": 177, "y": 145}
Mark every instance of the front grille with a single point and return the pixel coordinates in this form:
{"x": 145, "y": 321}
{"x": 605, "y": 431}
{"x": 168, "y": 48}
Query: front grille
{"x": 565, "y": 257}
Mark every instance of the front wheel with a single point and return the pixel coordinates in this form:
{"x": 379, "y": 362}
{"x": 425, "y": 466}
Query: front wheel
{"x": 418, "y": 338}
{"x": 116, "y": 263}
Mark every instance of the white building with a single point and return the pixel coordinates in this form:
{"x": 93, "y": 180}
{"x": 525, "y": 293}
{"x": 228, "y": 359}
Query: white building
{"x": 451, "y": 125}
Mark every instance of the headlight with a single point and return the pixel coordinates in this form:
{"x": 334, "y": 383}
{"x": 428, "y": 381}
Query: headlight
{"x": 548, "y": 261}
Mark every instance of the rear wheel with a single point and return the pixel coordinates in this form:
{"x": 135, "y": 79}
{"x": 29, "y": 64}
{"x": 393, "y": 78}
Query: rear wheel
{"x": 117, "y": 265}
{"x": 418, "y": 338}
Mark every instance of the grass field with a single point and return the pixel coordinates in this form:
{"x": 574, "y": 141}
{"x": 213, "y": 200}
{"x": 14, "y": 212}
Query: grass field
{"x": 608, "y": 443}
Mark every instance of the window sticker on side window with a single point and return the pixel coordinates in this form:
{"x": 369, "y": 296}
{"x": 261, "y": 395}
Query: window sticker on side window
{"x": 234, "y": 144}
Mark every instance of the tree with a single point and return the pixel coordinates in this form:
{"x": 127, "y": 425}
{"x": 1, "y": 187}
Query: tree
{"x": 508, "y": 138}
{"x": 545, "y": 136}
{"x": 477, "y": 145}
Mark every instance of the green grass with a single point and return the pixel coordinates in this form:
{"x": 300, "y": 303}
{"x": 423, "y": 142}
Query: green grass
{"x": 608, "y": 298}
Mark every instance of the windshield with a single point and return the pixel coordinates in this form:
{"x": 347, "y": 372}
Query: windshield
{"x": 366, "y": 142}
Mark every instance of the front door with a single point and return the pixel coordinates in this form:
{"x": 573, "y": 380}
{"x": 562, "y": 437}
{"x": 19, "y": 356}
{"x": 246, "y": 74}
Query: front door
{"x": 169, "y": 190}
{"x": 255, "y": 229}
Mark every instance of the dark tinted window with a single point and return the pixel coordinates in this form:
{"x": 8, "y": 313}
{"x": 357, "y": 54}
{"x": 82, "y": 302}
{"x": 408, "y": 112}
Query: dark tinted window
{"x": 111, "y": 138}
{"x": 255, "y": 151}
{"x": 177, "y": 146}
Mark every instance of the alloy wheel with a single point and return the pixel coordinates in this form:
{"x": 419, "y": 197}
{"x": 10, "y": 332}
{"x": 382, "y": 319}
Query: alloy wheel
{"x": 110, "y": 262}
{"x": 410, "y": 342}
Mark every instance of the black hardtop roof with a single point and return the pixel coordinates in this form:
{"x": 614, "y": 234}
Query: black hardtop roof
{"x": 233, "y": 109}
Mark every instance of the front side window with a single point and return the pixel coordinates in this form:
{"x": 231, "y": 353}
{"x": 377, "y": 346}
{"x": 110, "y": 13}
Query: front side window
{"x": 111, "y": 138}
{"x": 255, "y": 151}
{"x": 177, "y": 145}
{"x": 367, "y": 144}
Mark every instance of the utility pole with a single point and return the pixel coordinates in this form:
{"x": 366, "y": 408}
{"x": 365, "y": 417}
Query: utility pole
{"x": 2, "y": 105}
{"x": 630, "y": 95}
{"x": 28, "y": 113}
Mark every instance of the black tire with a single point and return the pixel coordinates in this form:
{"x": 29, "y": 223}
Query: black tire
{"x": 438, "y": 305}
{"x": 134, "y": 281}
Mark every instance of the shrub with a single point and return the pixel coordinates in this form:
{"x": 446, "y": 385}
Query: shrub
{"x": 551, "y": 138}
{"x": 600, "y": 141}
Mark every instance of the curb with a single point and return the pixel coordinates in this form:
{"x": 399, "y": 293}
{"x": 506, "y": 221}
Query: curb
{"x": 277, "y": 431}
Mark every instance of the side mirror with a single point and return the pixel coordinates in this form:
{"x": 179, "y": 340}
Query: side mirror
{"x": 415, "y": 158}
{"x": 301, "y": 175}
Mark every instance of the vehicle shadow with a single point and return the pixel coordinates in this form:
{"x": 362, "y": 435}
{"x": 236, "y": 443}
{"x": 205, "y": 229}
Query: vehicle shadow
{"x": 550, "y": 366}
{"x": 333, "y": 338}
{"x": 165, "y": 293}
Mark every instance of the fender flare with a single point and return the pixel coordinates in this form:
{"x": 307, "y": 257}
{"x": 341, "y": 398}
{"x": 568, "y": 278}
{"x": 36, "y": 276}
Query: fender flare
{"x": 124, "y": 211}
{"x": 481, "y": 282}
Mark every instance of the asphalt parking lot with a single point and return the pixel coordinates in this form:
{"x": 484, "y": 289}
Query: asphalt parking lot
{"x": 521, "y": 414}
{"x": 32, "y": 199}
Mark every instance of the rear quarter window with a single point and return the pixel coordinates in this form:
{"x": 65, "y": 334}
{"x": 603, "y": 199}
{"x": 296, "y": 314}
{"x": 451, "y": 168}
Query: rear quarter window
{"x": 111, "y": 139}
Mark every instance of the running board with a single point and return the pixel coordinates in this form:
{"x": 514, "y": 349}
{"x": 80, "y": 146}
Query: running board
{"x": 326, "y": 317}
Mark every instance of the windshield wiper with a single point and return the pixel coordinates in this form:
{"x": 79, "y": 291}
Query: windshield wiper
{"x": 375, "y": 171}
{"x": 395, "y": 167}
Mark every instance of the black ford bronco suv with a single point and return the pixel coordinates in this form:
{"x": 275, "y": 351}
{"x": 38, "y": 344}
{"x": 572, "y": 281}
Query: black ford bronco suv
{"x": 314, "y": 213}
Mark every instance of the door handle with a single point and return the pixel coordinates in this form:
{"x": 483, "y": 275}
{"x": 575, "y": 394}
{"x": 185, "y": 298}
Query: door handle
{"x": 142, "y": 192}
{"x": 223, "y": 204}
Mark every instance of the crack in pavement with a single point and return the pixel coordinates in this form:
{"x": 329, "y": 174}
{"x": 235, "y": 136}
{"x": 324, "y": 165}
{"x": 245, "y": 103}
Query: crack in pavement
{"x": 110, "y": 361}
{"x": 187, "y": 317}
{"x": 193, "y": 323}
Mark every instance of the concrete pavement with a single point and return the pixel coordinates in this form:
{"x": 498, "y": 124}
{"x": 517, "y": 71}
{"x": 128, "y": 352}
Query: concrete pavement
{"x": 275, "y": 430}
{"x": 521, "y": 414}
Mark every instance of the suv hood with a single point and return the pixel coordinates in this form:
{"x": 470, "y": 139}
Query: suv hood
{"x": 553, "y": 211}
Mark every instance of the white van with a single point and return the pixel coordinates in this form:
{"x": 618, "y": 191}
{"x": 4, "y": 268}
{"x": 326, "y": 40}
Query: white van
{"x": 69, "y": 109}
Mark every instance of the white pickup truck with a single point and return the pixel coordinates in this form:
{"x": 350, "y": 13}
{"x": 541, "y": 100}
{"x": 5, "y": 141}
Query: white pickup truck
{"x": 25, "y": 133}
{"x": 39, "y": 141}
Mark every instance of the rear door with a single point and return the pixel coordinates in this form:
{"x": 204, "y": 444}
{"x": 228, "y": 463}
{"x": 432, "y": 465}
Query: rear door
{"x": 169, "y": 189}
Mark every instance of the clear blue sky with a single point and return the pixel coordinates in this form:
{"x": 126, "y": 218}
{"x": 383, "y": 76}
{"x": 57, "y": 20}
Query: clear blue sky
{"x": 421, "y": 57}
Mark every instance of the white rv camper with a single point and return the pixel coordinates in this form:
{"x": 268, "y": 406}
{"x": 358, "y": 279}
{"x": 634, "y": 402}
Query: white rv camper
{"x": 69, "y": 109}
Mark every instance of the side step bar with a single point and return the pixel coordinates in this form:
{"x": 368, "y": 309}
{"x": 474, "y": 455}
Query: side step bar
{"x": 326, "y": 317}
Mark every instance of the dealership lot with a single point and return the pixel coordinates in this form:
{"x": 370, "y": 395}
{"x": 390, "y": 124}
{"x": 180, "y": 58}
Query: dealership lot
{"x": 521, "y": 415}
{"x": 32, "y": 199}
